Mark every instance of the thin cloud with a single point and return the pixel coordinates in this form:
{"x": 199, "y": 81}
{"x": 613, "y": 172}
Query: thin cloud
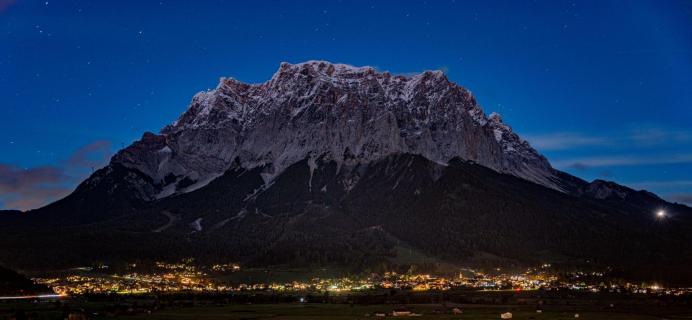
{"x": 28, "y": 188}
{"x": 655, "y": 136}
{"x": 684, "y": 198}
{"x": 91, "y": 155}
{"x": 606, "y": 174}
{"x": 35, "y": 197}
{"x": 579, "y": 166}
{"x": 5, "y": 4}
{"x": 624, "y": 160}
{"x": 661, "y": 184}
{"x": 641, "y": 137}
{"x": 13, "y": 178}
{"x": 678, "y": 190}
{"x": 565, "y": 141}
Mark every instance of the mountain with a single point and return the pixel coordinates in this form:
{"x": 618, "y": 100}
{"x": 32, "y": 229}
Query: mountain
{"x": 335, "y": 111}
{"x": 15, "y": 284}
{"x": 330, "y": 164}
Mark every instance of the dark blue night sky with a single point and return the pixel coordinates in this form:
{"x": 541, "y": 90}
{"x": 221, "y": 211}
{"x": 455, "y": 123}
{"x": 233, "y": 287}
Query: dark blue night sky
{"x": 602, "y": 88}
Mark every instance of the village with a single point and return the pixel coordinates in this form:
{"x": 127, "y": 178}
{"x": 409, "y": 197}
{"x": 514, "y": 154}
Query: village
{"x": 185, "y": 276}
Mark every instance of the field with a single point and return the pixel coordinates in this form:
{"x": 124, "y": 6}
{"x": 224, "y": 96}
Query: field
{"x": 97, "y": 310}
{"x": 312, "y": 305}
{"x": 330, "y": 311}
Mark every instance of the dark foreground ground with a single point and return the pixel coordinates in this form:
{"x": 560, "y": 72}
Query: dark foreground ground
{"x": 333, "y": 311}
{"x": 490, "y": 306}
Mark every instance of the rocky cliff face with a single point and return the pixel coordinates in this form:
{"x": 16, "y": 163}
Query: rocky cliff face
{"x": 331, "y": 111}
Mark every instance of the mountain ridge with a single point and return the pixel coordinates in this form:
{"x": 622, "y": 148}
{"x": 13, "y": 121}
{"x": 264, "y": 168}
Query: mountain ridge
{"x": 328, "y": 164}
{"x": 256, "y": 122}
{"x": 219, "y": 120}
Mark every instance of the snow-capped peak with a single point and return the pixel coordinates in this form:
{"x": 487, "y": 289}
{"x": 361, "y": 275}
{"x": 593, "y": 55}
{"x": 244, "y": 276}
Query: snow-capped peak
{"x": 321, "y": 109}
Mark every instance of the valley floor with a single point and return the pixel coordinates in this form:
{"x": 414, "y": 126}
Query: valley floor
{"x": 321, "y": 311}
{"x": 96, "y": 310}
